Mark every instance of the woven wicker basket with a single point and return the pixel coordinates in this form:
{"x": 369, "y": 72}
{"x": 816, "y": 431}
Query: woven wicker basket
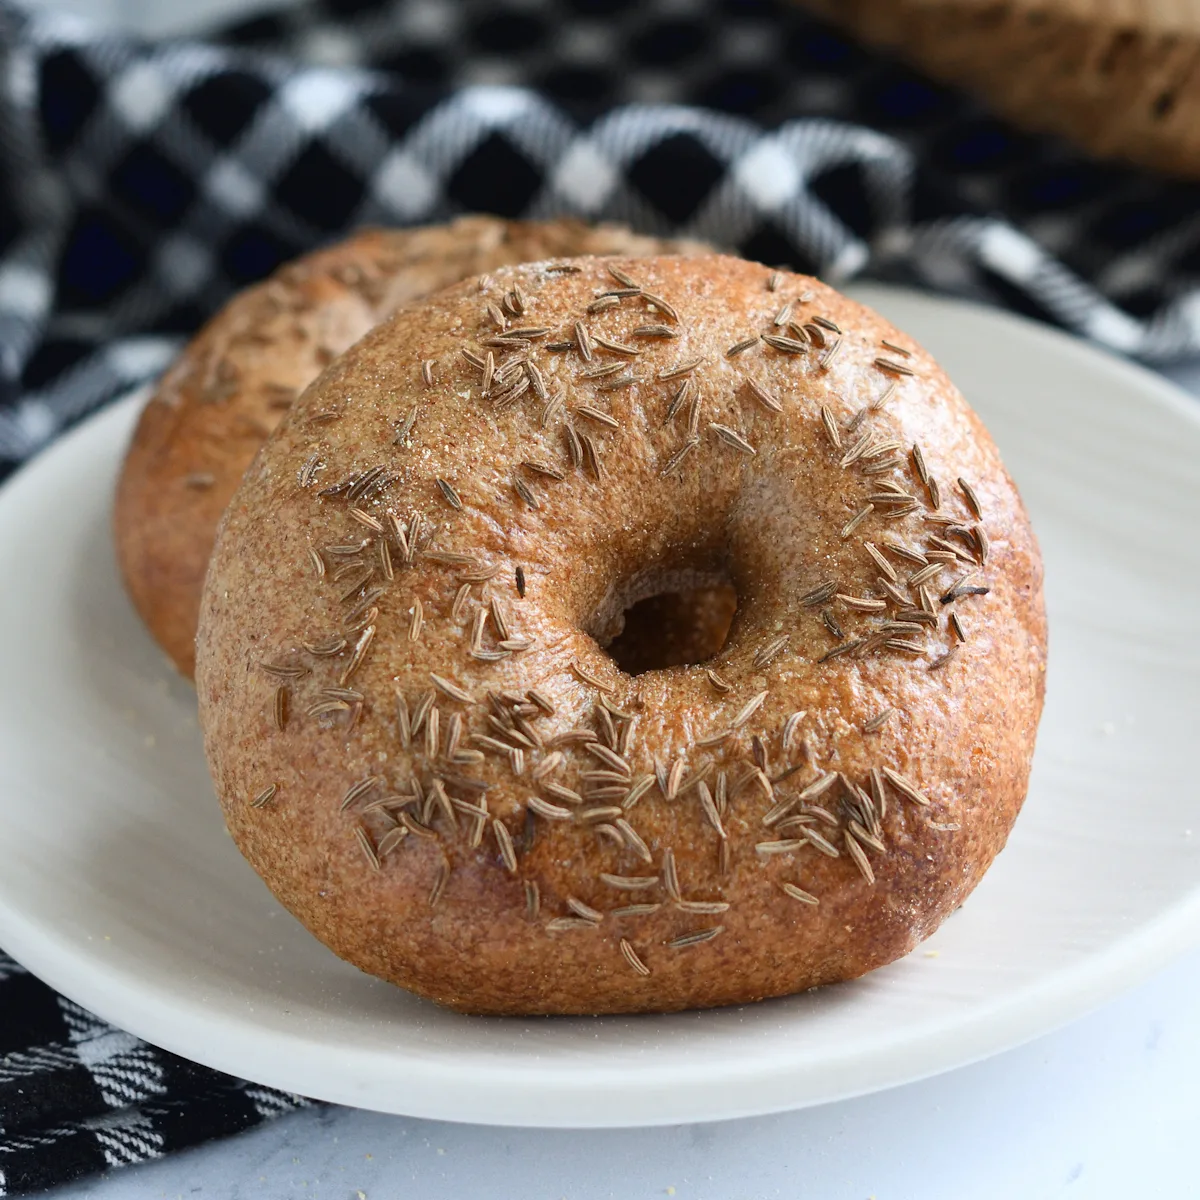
{"x": 1120, "y": 77}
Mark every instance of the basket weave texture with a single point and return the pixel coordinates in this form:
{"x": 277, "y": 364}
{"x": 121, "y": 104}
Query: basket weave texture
{"x": 1085, "y": 69}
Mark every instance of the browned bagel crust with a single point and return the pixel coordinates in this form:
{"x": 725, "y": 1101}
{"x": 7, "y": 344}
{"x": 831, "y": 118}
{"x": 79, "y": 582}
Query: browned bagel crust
{"x": 213, "y": 409}
{"x": 515, "y": 913}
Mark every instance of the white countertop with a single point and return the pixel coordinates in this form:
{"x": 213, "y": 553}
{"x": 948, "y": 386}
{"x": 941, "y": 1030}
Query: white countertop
{"x": 1105, "y": 1109}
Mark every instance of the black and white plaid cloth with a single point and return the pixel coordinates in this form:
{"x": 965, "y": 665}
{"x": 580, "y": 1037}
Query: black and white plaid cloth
{"x": 78, "y": 1096}
{"x": 141, "y": 184}
{"x": 144, "y": 183}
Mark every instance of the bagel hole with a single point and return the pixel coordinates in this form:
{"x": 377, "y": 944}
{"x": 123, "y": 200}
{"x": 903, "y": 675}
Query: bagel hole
{"x": 674, "y": 627}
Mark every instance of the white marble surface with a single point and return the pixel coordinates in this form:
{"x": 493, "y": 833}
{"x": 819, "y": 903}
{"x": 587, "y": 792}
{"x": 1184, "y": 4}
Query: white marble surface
{"x": 1102, "y": 1110}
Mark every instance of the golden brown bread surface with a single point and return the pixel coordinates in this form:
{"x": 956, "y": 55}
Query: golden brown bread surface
{"x": 232, "y": 384}
{"x": 563, "y": 837}
{"x": 1121, "y": 84}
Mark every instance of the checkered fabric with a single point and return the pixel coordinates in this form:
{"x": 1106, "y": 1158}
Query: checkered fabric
{"x": 78, "y": 1096}
{"x": 140, "y": 185}
{"x": 144, "y": 183}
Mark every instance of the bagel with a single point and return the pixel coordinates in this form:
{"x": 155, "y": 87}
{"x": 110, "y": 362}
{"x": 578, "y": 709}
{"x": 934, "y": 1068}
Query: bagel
{"x": 421, "y": 744}
{"x": 228, "y": 390}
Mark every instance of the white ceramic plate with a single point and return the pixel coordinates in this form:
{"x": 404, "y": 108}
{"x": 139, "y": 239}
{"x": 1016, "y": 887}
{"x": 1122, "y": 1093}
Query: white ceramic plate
{"x": 119, "y": 886}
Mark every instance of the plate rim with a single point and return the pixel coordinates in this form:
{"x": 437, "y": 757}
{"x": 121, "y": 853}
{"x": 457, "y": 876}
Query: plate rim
{"x": 234, "y": 1043}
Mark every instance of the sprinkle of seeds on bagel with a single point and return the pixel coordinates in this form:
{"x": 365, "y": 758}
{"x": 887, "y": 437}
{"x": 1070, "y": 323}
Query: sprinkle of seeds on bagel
{"x": 594, "y": 783}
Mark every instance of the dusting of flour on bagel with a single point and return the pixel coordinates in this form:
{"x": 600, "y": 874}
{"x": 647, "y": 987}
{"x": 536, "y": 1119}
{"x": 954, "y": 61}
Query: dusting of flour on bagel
{"x": 421, "y": 742}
